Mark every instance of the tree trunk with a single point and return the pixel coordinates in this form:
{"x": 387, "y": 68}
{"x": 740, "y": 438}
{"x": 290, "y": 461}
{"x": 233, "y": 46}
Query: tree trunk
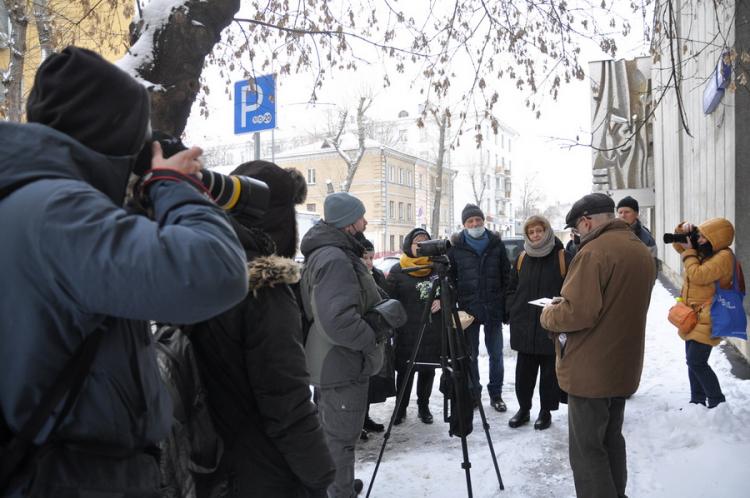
{"x": 43, "y": 28}
{"x": 435, "y": 222}
{"x": 179, "y": 51}
{"x": 13, "y": 81}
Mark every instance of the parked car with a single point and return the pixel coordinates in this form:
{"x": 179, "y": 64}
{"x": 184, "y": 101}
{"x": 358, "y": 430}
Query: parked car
{"x": 513, "y": 247}
{"x": 385, "y": 264}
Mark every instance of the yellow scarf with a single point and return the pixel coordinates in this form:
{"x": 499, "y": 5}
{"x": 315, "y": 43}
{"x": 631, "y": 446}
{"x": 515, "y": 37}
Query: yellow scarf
{"x": 407, "y": 262}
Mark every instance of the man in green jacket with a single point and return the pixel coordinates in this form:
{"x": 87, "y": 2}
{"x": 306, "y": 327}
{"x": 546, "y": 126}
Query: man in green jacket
{"x": 600, "y": 327}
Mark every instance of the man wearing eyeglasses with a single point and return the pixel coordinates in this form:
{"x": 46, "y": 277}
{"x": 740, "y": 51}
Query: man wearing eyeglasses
{"x": 600, "y": 324}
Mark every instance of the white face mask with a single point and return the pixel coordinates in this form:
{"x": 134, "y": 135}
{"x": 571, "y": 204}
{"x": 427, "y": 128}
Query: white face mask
{"x": 475, "y": 232}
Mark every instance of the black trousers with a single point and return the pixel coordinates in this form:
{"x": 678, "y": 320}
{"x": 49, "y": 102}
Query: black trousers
{"x": 597, "y": 446}
{"x": 424, "y": 385}
{"x": 527, "y": 366}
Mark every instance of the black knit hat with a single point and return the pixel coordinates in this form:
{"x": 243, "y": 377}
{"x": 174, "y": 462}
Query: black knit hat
{"x": 628, "y": 202}
{"x": 595, "y": 203}
{"x": 287, "y": 187}
{"x": 410, "y": 238}
{"x": 80, "y": 94}
{"x": 366, "y": 243}
{"x": 469, "y": 211}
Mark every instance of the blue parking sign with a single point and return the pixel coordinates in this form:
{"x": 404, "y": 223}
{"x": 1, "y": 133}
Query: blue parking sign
{"x": 255, "y": 104}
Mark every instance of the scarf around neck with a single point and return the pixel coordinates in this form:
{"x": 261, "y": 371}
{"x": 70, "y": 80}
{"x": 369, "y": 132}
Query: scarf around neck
{"x": 407, "y": 262}
{"x": 541, "y": 248}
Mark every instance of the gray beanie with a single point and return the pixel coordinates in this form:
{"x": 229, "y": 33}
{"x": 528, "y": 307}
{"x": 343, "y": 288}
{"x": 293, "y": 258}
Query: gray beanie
{"x": 342, "y": 209}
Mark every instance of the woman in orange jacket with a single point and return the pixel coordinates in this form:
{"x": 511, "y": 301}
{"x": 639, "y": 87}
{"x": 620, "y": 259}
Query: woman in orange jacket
{"x": 710, "y": 261}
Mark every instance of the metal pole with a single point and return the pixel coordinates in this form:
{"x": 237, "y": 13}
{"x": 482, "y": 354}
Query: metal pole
{"x": 256, "y": 137}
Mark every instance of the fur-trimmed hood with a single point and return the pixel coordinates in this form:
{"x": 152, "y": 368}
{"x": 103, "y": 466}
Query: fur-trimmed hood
{"x": 269, "y": 271}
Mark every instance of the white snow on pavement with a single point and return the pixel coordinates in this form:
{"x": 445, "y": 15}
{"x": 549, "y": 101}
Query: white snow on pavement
{"x": 674, "y": 449}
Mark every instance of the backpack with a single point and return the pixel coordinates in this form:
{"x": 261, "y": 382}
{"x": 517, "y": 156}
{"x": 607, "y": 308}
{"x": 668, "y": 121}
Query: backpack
{"x": 560, "y": 257}
{"x": 193, "y": 446}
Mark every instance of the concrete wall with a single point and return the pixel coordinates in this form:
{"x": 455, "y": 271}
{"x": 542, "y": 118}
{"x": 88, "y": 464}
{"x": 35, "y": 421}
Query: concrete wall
{"x": 697, "y": 177}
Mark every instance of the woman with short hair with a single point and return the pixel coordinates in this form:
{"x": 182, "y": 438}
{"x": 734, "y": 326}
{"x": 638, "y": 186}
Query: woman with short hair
{"x": 538, "y": 272}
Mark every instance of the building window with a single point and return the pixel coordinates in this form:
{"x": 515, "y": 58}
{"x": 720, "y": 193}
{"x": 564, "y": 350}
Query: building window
{"x": 310, "y": 176}
{"x": 400, "y": 210}
{"x": 391, "y": 174}
{"x": 408, "y": 212}
{"x": 393, "y": 243}
{"x": 311, "y": 208}
{"x": 509, "y": 145}
{"x": 391, "y": 210}
{"x": 401, "y": 241}
{"x": 401, "y": 176}
{"x": 420, "y": 180}
{"x": 502, "y": 141}
{"x": 403, "y": 136}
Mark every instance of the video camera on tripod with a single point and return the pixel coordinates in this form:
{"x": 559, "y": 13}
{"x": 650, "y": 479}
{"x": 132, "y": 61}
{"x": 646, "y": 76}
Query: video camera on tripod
{"x": 455, "y": 360}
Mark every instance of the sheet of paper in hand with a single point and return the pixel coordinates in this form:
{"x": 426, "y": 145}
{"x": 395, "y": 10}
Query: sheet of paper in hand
{"x": 542, "y": 301}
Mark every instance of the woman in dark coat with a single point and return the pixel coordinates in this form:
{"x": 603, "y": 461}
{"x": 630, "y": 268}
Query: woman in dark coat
{"x": 253, "y": 363}
{"x": 381, "y": 386}
{"x": 412, "y": 289}
{"x": 538, "y": 272}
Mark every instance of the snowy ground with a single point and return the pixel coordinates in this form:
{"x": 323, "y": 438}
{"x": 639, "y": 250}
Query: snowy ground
{"x": 675, "y": 449}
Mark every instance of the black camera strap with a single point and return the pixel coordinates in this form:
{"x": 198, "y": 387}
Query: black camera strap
{"x": 68, "y": 383}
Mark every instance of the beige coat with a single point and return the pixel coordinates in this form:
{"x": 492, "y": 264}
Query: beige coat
{"x": 698, "y": 286}
{"x": 607, "y": 293}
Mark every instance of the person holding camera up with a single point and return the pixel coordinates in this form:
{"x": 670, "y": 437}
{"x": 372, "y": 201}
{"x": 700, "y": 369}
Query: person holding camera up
{"x": 707, "y": 259}
{"x": 599, "y": 328}
{"x": 479, "y": 269}
{"x": 412, "y": 288}
{"x": 252, "y": 361}
{"x": 81, "y": 277}
{"x": 343, "y": 350}
{"x": 539, "y": 271}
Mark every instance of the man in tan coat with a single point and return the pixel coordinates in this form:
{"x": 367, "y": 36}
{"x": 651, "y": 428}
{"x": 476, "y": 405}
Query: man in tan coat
{"x": 600, "y": 324}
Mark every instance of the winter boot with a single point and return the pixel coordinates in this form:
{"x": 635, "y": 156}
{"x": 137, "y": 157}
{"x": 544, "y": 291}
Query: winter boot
{"x": 424, "y": 414}
{"x": 543, "y": 421}
{"x": 371, "y": 426}
{"x": 520, "y": 418}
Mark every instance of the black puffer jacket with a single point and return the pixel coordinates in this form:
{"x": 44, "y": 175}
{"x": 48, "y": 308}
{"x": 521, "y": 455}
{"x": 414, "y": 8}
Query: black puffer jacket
{"x": 481, "y": 281}
{"x": 539, "y": 277}
{"x": 253, "y": 365}
{"x": 403, "y": 287}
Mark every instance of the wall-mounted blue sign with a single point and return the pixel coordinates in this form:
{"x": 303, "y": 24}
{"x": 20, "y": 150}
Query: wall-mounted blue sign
{"x": 255, "y": 104}
{"x": 716, "y": 85}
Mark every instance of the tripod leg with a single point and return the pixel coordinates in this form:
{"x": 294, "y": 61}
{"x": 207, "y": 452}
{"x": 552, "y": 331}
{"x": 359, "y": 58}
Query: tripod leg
{"x": 486, "y": 427}
{"x": 466, "y": 465}
{"x": 402, "y": 390}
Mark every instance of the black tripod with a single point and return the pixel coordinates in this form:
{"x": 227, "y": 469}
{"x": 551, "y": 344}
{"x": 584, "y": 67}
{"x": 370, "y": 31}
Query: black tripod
{"x": 455, "y": 361}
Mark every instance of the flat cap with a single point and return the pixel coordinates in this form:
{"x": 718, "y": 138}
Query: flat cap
{"x": 587, "y": 205}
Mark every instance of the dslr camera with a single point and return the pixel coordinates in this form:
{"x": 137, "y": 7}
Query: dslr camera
{"x": 432, "y": 248}
{"x": 234, "y": 193}
{"x": 682, "y": 238}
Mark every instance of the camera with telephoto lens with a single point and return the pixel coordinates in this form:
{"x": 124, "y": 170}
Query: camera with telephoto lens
{"x": 234, "y": 193}
{"x": 682, "y": 238}
{"x": 431, "y": 248}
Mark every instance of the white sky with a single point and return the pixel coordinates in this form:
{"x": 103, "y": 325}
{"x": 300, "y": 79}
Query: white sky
{"x": 564, "y": 174}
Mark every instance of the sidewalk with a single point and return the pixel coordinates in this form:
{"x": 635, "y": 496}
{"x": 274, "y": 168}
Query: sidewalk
{"x": 674, "y": 449}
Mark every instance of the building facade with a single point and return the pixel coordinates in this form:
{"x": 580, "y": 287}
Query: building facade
{"x": 701, "y": 174}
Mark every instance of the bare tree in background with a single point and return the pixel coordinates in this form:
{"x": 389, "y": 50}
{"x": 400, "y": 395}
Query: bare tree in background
{"x": 478, "y": 177}
{"x": 534, "y": 43}
{"x": 443, "y": 120}
{"x": 58, "y": 23}
{"x": 352, "y": 161}
{"x": 530, "y": 197}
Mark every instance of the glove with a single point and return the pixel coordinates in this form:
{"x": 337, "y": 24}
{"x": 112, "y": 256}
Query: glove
{"x": 382, "y": 329}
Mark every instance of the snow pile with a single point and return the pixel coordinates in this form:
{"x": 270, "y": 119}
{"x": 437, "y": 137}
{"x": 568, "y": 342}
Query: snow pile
{"x": 675, "y": 449}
